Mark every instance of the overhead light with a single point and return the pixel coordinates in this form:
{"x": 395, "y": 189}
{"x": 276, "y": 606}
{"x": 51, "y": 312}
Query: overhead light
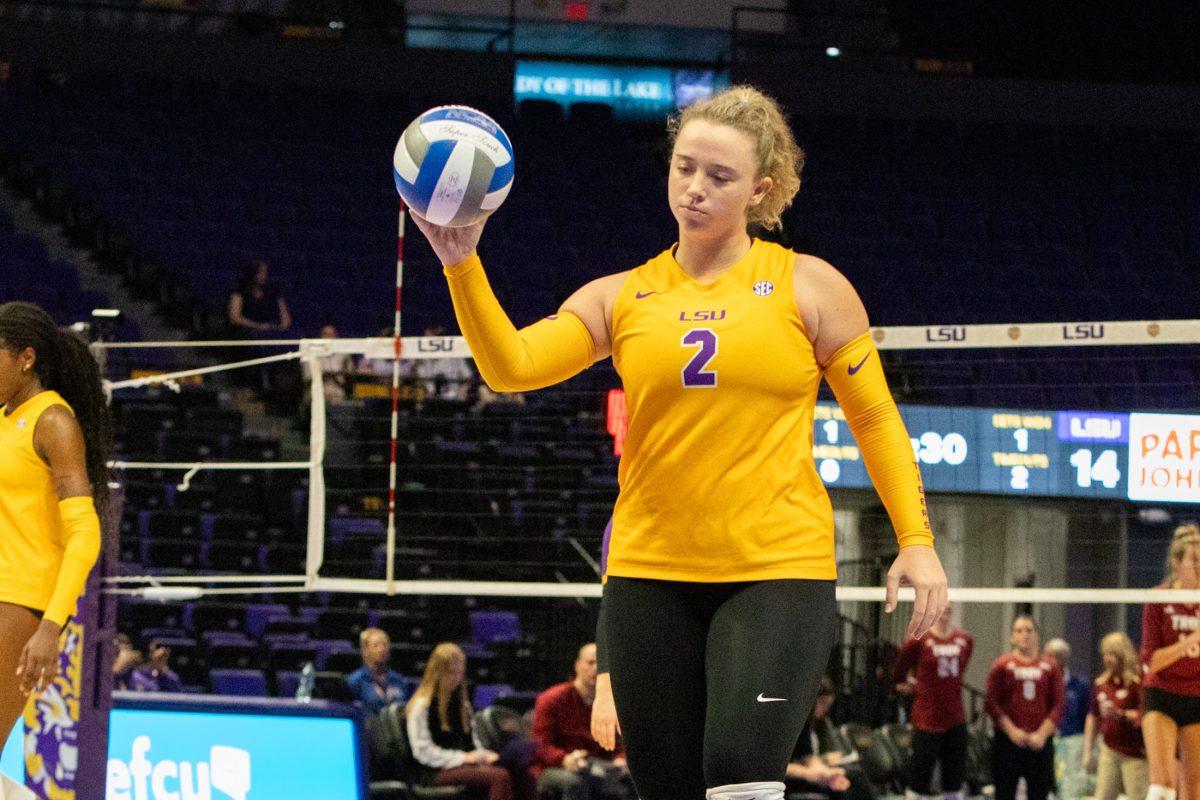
{"x": 833, "y": 52}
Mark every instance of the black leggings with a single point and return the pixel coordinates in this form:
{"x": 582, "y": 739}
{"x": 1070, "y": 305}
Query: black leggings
{"x": 947, "y": 748}
{"x": 1010, "y": 763}
{"x": 713, "y": 681}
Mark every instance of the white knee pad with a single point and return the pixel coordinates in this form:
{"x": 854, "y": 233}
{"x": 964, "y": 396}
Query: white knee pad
{"x": 1157, "y": 792}
{"x": 765, "y": 790}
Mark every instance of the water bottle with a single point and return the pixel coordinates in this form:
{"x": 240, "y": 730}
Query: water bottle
{"x": 308, "y": 679}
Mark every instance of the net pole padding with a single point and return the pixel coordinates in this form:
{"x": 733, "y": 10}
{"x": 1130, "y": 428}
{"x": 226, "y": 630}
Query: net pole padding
{"x": 397, "y": 348}
{"x": 873, "y": 594}
{"x": 314, "y": 554}
{"x": 134, "y": 383}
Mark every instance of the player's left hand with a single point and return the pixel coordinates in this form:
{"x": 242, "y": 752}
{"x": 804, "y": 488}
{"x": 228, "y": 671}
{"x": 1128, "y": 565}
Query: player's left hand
{"x": 918, "y": 566}
{"x": 38, "y": 665}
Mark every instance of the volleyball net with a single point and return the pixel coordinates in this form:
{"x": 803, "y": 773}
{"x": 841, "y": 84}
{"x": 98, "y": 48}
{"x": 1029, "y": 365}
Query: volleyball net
{"x": 1055, "y": 423}
{"x": 1058, "y": 458}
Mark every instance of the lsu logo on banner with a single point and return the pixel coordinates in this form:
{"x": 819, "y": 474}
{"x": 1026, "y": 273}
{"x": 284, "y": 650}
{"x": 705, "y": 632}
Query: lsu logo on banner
{"x": 1164, "y": 457}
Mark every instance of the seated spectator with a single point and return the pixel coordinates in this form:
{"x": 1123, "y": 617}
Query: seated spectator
{"x": 808, "y": 772}
{"x": 127, "y": 659}
{"x": 444, "y": 378}
{"x": 820, "y": 740}
{"x": 335, "y": 371}
{"x": 440, "y": 730}
{"x": 255, "y": 307}
{"x": 375, "y": 684}
{"x": 373, "y": 376}
{"x": 570, "y": 764}
{"x": 156, "y": 674}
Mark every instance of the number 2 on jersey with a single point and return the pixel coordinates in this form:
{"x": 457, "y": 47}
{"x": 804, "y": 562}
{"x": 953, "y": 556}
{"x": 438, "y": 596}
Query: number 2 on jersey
{"x": 694, "y": 373}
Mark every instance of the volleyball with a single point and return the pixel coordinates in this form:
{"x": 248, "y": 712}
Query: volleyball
{"x": 453, "y": 165}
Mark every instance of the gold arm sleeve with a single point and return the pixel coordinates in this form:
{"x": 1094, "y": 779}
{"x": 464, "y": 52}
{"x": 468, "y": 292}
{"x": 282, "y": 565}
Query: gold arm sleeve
{"x": 855, "y": 374}
{"x": 542, "y": 354}
{"x": 81, "y": 537}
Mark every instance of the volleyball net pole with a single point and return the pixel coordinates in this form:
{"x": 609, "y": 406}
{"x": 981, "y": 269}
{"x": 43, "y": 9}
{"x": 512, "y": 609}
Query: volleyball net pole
{"x": 397, "y": 349}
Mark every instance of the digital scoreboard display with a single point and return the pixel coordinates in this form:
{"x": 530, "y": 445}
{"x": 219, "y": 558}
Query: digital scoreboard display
{"x": 1133, "y": 456}
{"x": 1148, "y": 457}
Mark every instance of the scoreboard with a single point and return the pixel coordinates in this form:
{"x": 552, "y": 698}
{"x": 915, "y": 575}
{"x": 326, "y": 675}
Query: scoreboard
{"x": 1134, "y": 456}
{"x": 1091, "y": 454}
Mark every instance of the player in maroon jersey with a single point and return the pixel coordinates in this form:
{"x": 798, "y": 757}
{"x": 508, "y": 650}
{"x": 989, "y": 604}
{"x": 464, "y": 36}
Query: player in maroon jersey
{"x": 931, "y": 669}
{"x": 1115, "y": 714}
{"x": 1171, "y": 663}
{"x": 1025, "y": 699}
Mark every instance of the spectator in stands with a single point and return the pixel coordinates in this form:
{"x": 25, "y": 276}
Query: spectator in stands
{"x": 570, "y": 764}
{"x": 374, "y": 375}
{"x": 156, "y": 674}
{"x": 444, "y": 378}
{"x": 1025, "y": 700}
{"x": 808, "y": 773}
{"x": 127, "y": 659}
{"x": 1116, "y": 709}
{"x": 931, "y": 669}
{"x": 822, "y": 740}
{"x": 1068, "y": 744}
{"x": 255, "y": 306}
{"x": 335, "y": 371}
{"x": 375, "y": 684}
{"x": 440, "y": 730}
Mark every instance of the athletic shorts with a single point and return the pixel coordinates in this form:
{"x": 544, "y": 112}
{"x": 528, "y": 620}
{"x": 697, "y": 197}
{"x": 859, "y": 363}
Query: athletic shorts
{"x": 1184, "y": 709}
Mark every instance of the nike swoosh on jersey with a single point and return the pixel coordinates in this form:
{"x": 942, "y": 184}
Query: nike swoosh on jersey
{"x": 640, "y": 295}
{"x": 764, "y": 699}
{"x": 854, "y": 368}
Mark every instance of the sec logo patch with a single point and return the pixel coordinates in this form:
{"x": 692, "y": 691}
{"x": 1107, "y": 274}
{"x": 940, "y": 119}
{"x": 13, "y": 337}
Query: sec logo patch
{"x": 763, "y": 288}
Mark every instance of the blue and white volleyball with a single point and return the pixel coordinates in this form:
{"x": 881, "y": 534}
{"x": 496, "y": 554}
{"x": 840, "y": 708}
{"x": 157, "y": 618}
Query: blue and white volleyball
{"x": 453, "y": 165}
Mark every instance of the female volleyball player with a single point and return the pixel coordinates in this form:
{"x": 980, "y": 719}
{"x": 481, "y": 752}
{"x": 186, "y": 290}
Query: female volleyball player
{"x": 720, "y": 592}
{"x": 1116, "y": 713}
{"x": 55, "y": 438}
{"x": 1171, "y": 660}
{"x": 1025, "y": 700}
{"x": 932, "y": 669}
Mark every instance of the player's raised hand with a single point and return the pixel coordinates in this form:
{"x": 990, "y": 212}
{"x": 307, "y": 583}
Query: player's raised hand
{"x": 452, "y": 245}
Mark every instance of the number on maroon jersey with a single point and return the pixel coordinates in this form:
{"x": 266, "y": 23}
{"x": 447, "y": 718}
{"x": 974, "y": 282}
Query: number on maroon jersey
{"x": 694, "y": 374}
{"x": 1029, "y": 690}
{"x": 947, "y": 667}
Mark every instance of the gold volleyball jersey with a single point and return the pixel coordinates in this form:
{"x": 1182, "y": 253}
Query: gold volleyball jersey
{"x": 717, "y": 480}
{"x": 31, "y": 547}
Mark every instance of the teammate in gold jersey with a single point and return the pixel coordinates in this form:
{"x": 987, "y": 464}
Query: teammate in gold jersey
{"x": 719, "y": 600}
{"x": 54, "y": 449}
